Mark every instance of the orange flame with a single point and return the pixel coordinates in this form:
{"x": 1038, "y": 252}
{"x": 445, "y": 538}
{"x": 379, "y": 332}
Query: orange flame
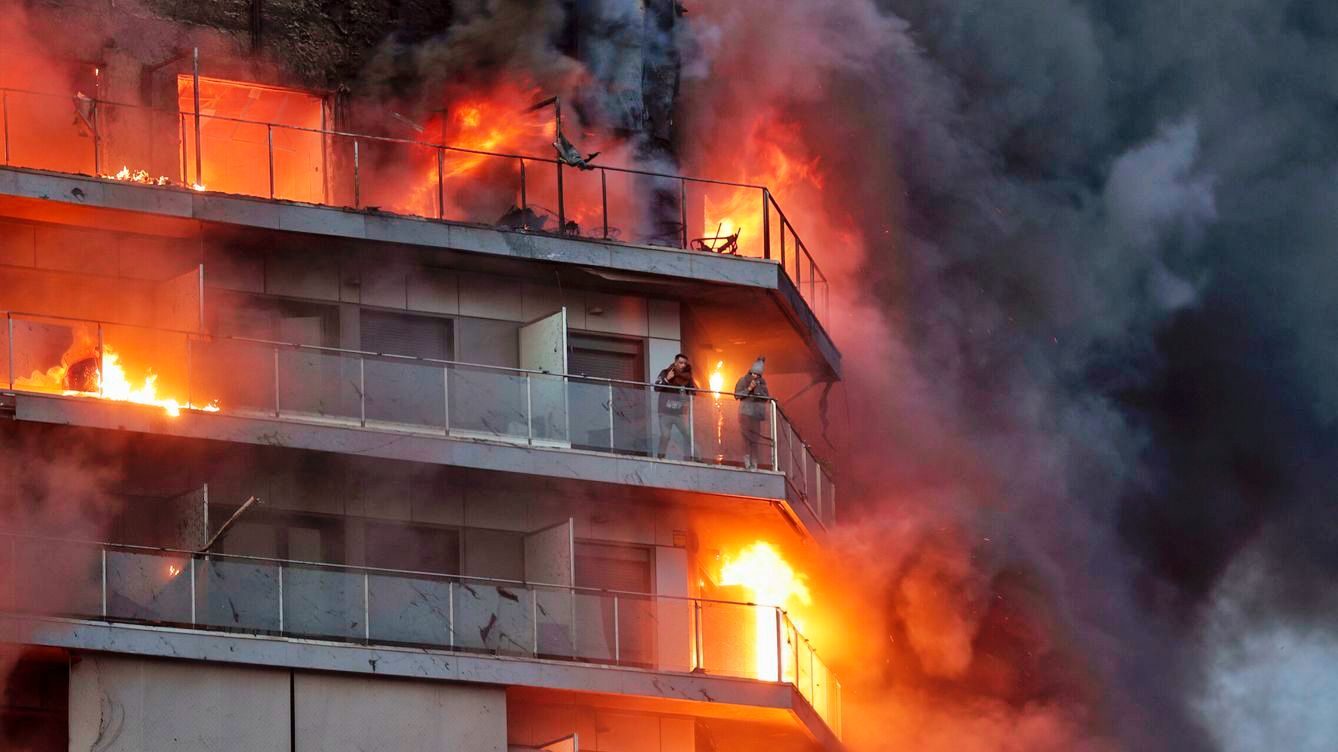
{"x": 717, "y": 378}
{"x": 109, "y": 381}
{"x": 125, "y": 174}
{"x": 770, "y": 581}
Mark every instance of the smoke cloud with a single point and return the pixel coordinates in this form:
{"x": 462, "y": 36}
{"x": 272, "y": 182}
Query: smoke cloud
{"x": 1090, "y": 459}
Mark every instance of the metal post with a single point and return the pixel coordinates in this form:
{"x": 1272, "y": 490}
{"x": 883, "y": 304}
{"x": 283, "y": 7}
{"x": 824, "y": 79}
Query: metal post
{"x": 446, "y": 399}
{"x": 611, "y": 442}
{"x": 812, "y": 288}
{"x": 195, "y": 74}
{"x": 534, "y": 618}
{"x": 766, "y": 224}
{"x": 683, "y": 212}
{"x": 529, "y": 410}
{"x": 102, "y": 362}
{"x": 366, "y": 605}
{"x": 9, "y": 318}
{"x": 561, "y": 199}
{"x": 181, "y": 120}
{"x": 617, "y": 645}
{"x": 357, "y": 178}
{"x": 779, "y": 671}
{"x": 798, "y": 265}
{"x": 697, "y": 622}
{"x": 604, "y": 198}
{"x": 193, "y": 620}
{"x": 523, "y": 200}
{"x": 280, "y": 568}
{"x": 441, "y": 183}
{"x": 782, "y": 243}
{"x": 269, "y": 139}
{"x": 775, "y": 446}
{"x": 104, "y": 582}
{"x": 450, "y": 613}
{"x": 276, "y": 381}
{"x": 97, "y": 139}
{"x": 190, "y": 370}
{"x": 4, "y": 113}
{"x": 362, "y": 391}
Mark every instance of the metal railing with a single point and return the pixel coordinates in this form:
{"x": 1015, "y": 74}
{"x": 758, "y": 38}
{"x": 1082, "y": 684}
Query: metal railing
{"x": 415, "y": 178}
{"x": 368, "y": 605}
{"x": 377, "y": 391}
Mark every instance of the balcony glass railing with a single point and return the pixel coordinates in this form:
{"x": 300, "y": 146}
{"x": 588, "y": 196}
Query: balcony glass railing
{"x": 375, "y": 391}
{"x": 77, "y": 134}
{"x": 367, "y": 605}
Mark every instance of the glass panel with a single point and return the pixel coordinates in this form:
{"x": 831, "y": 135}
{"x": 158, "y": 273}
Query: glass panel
{"x": 341, "y": 187}
{"x": 300, "y": 165}
{"x": 675, "y": 634}
{"x": 405, "y": 394}
{"x": 548, "y": 405}
{"x": 493, "y": 618}
{"x": 51, "y": 355}
{"x": 235, "y": 154}
{"x": 239, "y": 376}
{"x": 636, "y": 631}
{"x": 635, "y": 421}
{"x": 556, "y": 619}
{"x": 487, "y": 403}
{"x": 730, "y": 219}
{"x": 805, "y": 662}
{"x": 78, "y": 569}
{"x": 409, "y": 610}
{"x": 322, "y": 602}
{"x": 237, "y": 594}
{"x": 50, "y": 132}
{"x": 481, "y": 188}
{"x": 590, "y": 420}
{"x": 729, "y": 431}
{"x": 739, "y": 640}
{"x": 316, "y": 384}
{"x": 6, "y": 375}
{"x": 790, "y": 653}
{"x": 139, "y": 144}
{"x": 398, "y": 177}
{"x": 594, "y": 627}
{"x": 148, "y": 587}
{"x": 583, "y": 202}
{"x": 144, "y": 365}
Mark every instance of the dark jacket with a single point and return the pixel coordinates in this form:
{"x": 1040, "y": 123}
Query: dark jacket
{"x": 752, "y": 404}
{"x": 674, "y": 395}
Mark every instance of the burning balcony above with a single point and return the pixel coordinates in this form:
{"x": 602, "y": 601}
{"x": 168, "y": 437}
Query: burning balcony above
{"x": 264, "y": 157}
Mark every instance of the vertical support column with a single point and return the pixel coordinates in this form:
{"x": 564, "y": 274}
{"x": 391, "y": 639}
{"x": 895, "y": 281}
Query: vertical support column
{"x": 617, "y": 643}
{"x": 366, "y": 605}
{"x": 697, "y": 633}
{"x": 529, "y": 411}
{"x": 181, "y": 120}
{"x": 446, "y": 399}
{"x": 276, "y": 381}
{"x": 193, "y": 620}
{"x": 766, "y": 224}
{"x": 102, "y": 361}
{"x": 104, "y": 582}
{"x": 362, "y": 391}
{"x": 4, "y": 117}
{"x": 97, "y": 138}
{"x": 450, "y": 613}
{"x": 195, "y": 83}
{"x": 441, "y": 183}
{"x": 9, "y": 322}
{"x": 190, "y": 370}
{"x": 279, "y": 567}
{"x": 604, "y": 198}
{"x": 780, "y": 643}
{"x": 612, "y": 443}
{"x": 692, "y": 429}
{"x": 269, "y": 143}
{"x": 524, "y": 202}
{"x": 357, "y": 178}
{"x": 534, "y": 617}
{"x": 683, "y": 213}
{"x": 775, "y": 445}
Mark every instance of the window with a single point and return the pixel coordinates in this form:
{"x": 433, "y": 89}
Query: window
{"x": 610, "y": 566}
{"x": 606, "y": 357}
{"x": 399, "y": 334}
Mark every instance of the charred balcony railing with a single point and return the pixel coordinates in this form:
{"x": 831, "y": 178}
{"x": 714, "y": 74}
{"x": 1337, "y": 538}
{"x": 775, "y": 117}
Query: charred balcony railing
{"x": 367, "y": 605}
{"x": 414, "y": 178}
{"x": 377, "y": 391}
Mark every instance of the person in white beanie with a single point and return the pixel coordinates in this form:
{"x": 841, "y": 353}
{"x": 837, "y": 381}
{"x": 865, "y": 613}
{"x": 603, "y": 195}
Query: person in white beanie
{"x": 751, "y": 392}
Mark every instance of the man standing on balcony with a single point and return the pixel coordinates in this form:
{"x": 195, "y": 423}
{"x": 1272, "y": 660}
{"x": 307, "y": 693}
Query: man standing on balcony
{"x": 751, "y": 391}
{"x": 673, "y": 384}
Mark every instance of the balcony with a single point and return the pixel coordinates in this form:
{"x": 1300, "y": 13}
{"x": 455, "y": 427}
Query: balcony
{"x": 557, "y": 625}
{"x": 193, "y": 374}
{"x": 179, "y": 149}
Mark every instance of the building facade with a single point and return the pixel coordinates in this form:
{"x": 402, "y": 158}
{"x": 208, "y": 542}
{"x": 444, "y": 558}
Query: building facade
{"x": 327, "y": 440}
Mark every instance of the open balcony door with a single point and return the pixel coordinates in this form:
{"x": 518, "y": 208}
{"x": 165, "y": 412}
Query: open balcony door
{"x": 543, "y": 347}
{"x": 550, "y": 559}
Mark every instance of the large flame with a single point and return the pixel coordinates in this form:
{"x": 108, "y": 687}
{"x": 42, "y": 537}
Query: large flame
{"x": 717, "y": 378}
{"x": 107, "y": 381}
{"x": 770, "y": 581}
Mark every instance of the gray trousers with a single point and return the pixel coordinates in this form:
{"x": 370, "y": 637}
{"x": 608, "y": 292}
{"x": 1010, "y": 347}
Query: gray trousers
{"x": 669, "y": 422}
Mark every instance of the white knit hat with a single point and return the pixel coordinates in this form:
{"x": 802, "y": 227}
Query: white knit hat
{"x": 758, "y": 365}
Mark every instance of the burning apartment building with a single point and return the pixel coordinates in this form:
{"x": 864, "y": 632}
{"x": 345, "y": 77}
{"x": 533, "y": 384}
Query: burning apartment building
{"x": 331, "y": 415}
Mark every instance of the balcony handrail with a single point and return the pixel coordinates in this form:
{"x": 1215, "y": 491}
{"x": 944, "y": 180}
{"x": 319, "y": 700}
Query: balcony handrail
{"x": 416, "y": 358}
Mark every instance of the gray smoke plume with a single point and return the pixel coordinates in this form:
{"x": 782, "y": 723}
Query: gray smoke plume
{"x": 1094, "y": 455}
